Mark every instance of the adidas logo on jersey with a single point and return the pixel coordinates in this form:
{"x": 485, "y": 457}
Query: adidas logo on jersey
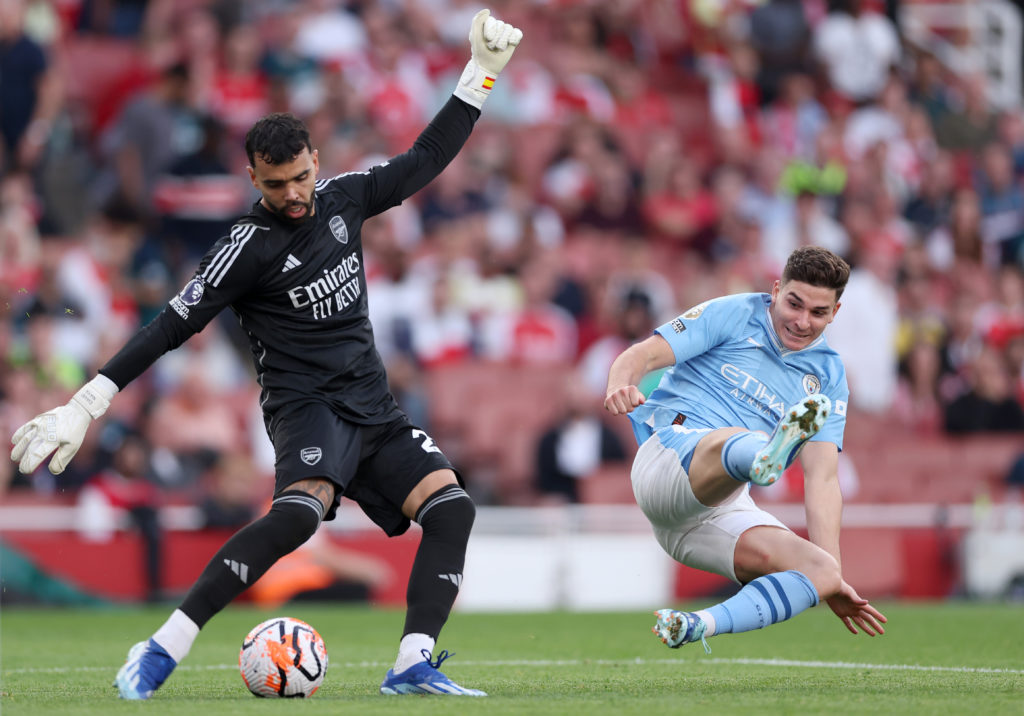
{"x": 455, "y": 579}
{"x": 242, "y": 570}
{"x": 290, "y": 263}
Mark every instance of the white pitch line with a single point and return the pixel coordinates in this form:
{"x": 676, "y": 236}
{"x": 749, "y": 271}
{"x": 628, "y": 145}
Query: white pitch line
{"x": 546, "y": 663}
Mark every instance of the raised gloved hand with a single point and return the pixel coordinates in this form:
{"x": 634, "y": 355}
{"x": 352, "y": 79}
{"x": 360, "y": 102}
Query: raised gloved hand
{"x": 61, "y": 429}
{"x": 492, "y": 42}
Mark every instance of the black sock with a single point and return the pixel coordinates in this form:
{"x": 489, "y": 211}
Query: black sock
{"x": 292, "y": 519}
{"x": 446, "y": 518}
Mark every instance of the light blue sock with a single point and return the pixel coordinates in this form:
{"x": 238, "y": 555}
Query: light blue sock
{"x": 766, "y": 600}
{"x": 738, "y": 454}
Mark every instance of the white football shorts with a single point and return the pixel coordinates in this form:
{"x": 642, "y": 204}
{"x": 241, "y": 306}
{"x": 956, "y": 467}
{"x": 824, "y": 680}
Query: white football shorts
{"x": 692, "y": 533}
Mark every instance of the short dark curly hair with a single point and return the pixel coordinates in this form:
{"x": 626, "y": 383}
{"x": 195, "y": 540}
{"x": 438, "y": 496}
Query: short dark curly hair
{"x": 276, "y": 139}
{"x": 817, "y": 266}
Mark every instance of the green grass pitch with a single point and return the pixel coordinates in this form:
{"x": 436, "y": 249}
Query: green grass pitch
{"x": 950, "y": 658}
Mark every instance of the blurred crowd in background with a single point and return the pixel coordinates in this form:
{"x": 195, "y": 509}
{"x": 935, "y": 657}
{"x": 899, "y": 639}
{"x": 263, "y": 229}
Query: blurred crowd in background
{"x": 636, "y": 157}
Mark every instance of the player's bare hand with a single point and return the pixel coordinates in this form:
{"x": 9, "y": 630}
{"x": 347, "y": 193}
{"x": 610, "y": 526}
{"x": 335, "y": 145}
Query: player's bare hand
{"x": 622, "y": 400}
{"x": 855, "y": 611}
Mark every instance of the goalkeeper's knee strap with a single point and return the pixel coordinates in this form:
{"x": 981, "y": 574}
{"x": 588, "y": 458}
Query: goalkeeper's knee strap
{"x": 292, "y": 519}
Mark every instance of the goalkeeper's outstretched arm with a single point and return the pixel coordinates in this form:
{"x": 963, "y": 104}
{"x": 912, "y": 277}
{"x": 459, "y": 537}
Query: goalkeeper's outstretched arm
{"x": 63, "y": 429}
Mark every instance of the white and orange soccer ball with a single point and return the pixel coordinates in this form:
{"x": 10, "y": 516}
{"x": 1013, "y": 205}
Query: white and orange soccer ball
{"x": 283, "y": 657}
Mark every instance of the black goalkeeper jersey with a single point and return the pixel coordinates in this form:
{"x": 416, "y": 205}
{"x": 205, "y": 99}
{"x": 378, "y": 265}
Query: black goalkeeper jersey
{"x": 299, "y": 290}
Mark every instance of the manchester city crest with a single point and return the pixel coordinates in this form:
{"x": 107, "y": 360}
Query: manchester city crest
{"x": 811, "y": 384}
{"x": 339, "y": 229}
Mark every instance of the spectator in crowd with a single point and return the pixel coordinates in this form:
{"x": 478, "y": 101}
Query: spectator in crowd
{"x": 127, "y": 486}
{"x": 612, "y": 204}
{"x": 679, "y": 209}
{"x": 195, "y": 424}
{"x": 957, "y": 246}
{"x": 539, "y": 331}
{"x": 154, "y": 128}
{"x": 634, "y": 319}
{"x": 30, "y": 92}
{"x": 576, "y": 445}
{"x": 231, "y": 491}
{"x": 19, "y": 235}
{"x": 865, "y": 333}
{"x": 808, "y": 222}
{"x": 441, "y": 332}
{"x": 929, "y": 85}
{"x": 857, "y": 48}
{"x": 923, "y": 299}
{"x": 781, "y": 35}
{"x": 1002, "y": 203}
{"x": 989, "y": 404}
{"x": 917, "y": 403}
{"x": 929, "y": 208}
{"x": 969, "y": 122}
{"x": 238, "y": 93}
{"x": 96, "y": 270}
{"x": 196, "y": 197}
{"x": 795, "y": 117}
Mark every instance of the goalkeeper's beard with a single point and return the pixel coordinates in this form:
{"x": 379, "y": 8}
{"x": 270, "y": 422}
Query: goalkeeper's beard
{"x": 282, "y": 211}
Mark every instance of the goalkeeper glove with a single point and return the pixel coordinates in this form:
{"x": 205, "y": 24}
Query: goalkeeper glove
{"x": 492, "y": 43}
{"x": 61, "y": 429}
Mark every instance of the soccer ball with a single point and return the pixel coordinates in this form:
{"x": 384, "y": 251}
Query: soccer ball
{"x": 283, "y": 657}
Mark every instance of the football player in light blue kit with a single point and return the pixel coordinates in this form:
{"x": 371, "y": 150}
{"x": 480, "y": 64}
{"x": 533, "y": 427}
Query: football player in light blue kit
{"x": 750, "y": 383}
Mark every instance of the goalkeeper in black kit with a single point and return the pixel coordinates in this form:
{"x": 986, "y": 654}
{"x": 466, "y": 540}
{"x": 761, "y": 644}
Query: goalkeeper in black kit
{"x": 292, "y": 271}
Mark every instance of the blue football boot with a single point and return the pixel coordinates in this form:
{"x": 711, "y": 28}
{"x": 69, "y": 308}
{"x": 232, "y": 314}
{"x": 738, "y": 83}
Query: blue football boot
{"x": 146, "y": 667}
{"x": 424, "y": 678}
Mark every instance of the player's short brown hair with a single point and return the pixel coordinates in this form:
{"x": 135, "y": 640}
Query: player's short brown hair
{"x": 817, "y": 266}
{"x": 277, "y": 139}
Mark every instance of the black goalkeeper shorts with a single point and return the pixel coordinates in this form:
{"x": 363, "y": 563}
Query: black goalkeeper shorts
{"x": 376, "y": 466}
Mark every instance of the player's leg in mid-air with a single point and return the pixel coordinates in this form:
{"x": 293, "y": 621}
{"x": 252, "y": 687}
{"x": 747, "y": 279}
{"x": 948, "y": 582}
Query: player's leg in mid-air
{"x": 714, "y": 525}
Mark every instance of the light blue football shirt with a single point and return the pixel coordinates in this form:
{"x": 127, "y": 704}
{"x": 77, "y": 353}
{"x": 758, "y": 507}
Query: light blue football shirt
{"x": 732, "y": 370}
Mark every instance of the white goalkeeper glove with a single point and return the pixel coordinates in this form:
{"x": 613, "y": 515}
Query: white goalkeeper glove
{"x": 61, "y": 429}
{"x": 492, "y": 42}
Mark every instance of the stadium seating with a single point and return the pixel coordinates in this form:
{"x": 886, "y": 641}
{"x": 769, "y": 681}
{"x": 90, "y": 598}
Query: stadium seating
{"x": 896, "y": 465}
{"x": 489, "y": 416}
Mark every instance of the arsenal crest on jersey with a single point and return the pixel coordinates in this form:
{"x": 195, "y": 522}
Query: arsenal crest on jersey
{"x": 339, "y": 229}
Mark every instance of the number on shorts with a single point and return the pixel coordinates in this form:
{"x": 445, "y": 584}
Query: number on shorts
{"x": 428, "y": 442}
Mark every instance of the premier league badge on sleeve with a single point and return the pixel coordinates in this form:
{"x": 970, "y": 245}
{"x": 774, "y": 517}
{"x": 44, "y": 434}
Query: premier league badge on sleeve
{"x": 193, "y": 292}
{"x": 189, "y": 296}
{"x": 339, "y": 229}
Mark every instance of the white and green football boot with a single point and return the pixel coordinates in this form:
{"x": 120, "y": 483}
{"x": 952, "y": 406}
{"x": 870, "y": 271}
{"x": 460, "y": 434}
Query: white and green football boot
{"x": 798, "y": 425}
{"x": 678, "y": 628}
